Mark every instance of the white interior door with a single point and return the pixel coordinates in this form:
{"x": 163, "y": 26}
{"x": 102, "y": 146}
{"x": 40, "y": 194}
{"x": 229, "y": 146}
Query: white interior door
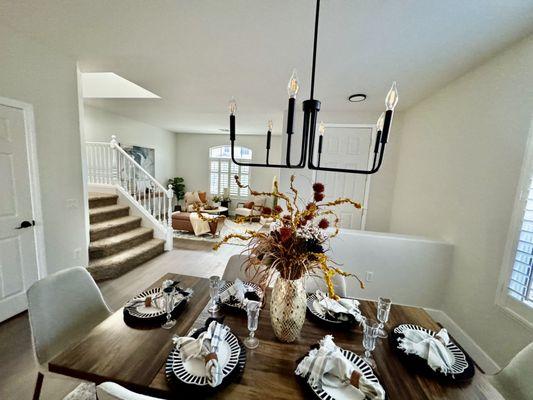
{"x": 18, "y": 263}
{"x": 346, "y": 146}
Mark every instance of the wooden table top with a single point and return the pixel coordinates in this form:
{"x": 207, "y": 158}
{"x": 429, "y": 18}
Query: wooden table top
{"x": 135, "y": 358}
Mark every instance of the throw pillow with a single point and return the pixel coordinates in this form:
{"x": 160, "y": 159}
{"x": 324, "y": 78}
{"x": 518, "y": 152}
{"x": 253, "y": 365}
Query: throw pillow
{"x": 249, "y": 205}
{"x": 203, "y": 196}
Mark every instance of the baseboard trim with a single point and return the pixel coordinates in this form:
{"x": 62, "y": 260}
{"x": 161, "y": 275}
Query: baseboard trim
{"x": 485, "y": 362}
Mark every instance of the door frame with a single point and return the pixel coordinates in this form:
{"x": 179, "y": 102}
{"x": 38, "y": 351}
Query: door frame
{"x": 35, "y": 191}
{"x": 372, "y": 128}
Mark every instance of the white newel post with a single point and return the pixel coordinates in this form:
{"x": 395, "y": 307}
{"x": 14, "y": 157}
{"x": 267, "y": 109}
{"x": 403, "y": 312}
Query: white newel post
{"x": 115, "y": 170}
{"x": 170, "y": 232}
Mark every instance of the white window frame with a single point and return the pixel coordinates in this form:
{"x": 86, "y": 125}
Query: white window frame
{"x": 511, "y": 306}
{"x": 230, "y": 174}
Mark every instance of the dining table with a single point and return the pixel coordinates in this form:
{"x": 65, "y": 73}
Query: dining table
{"x": 135, "y": 357}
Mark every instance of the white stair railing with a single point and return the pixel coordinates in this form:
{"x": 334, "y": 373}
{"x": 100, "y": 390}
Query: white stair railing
{"x": 109, "y": 164}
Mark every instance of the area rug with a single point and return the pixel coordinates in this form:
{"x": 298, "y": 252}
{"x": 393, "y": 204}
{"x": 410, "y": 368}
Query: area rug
{"x": 230, "y": 227}
{"x": 84, "y": 391}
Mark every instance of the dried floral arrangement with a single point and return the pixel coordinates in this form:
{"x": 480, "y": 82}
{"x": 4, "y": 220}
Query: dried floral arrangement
{"x": 297, "y": 242}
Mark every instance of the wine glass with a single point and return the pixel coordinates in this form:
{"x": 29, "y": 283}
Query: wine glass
{"x": 252, "y": 311}
{"x": 370, "y": 332}
{"x": 214, "y": 287}
{"x": 168, "y": 294}
{"x": 383, "y": 311}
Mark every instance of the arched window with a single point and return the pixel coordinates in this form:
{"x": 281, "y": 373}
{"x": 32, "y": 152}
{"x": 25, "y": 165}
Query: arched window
{"x": 222, "y": 170}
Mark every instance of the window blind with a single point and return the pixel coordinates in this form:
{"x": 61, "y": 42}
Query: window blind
{"x": 521, "y": 279}
{"x": 222, "y": 171}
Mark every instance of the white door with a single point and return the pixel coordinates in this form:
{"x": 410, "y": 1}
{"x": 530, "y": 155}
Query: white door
{"x": 18, "y": 263}
{"x": 346, "y": 147}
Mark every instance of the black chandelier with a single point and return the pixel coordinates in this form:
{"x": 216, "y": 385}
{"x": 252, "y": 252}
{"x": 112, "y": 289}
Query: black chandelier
{"x": 311, "y": 108}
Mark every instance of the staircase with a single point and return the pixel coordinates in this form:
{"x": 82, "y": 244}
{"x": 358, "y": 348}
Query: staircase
{"x": 118, "y": 241}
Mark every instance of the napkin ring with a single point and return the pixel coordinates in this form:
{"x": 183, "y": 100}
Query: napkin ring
{"x": 210, "y": 356}
{"x": 354, "y": 379}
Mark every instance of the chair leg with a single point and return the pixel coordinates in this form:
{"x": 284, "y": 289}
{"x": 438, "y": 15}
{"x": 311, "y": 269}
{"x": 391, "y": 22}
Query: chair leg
{"x": 38, "y": 386}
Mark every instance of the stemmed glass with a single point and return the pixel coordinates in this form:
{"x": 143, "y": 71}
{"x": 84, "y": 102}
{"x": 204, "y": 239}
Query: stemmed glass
{"x": 370, "y": 332}
{"x": 383, "y": 311}
{"x": 252, "y": 311}
{"x": 214, "y": 287}
{"x": 168, "y": 295}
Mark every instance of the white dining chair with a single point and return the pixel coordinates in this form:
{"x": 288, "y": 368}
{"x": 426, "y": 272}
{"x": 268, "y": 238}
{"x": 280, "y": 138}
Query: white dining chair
{"x": 316, "y": 282}
{"x": 63, "y": 307}
{"x": 113, "y": 391}
{"x": 514, "y": 382}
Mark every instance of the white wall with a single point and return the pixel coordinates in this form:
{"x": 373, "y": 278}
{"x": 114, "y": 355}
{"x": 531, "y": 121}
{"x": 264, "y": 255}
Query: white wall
{"x": 35, "y": 74}
{"x": 381, "y": 183}
{"x": 459, "y": 165}
{"x": 192, "y": 157}
{"x": 100, "y": 124}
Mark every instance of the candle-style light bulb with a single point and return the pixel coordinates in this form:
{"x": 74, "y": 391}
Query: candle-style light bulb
{"x": 270, "y": 125}
{"x": 381, "y": 121}
{"x": 321, "y": 129}
{"x": 292, "y": 87}
{"x": 392, "y": 97}
{"x": 232, "y": 105}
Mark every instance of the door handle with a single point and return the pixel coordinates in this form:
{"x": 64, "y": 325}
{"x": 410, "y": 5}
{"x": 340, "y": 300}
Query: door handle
{"x": 26, "y": 224}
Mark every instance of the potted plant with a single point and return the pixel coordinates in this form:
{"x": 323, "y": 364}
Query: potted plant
{"x": 224, "y": 201}
{"x": 179, "y": 190}
{"x": 296, "y": 245}
{"x": 216, "y": 200}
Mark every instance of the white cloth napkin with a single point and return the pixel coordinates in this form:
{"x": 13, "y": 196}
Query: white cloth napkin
{"x": 321, "y": 366}
{"x": 237, "y": 290}
{"x": 340, "y": 309}
{"x": 431, "y": 348}
{"x": 205, "y": 347}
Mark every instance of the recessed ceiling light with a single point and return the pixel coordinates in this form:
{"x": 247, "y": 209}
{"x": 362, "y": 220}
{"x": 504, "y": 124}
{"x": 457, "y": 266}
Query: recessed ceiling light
{"x": 356, "y": 98}
{"x": 108, "y": 85}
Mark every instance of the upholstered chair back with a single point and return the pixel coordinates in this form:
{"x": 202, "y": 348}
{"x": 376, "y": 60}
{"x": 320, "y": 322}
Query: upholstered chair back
{"x": 113, "y": 391}
{"x": 62, "y": 308}
{"x": 515, "y": 381}
{"x": 316, "y": 282}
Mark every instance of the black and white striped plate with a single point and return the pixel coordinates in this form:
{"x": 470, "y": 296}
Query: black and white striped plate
{"x": 143, "y": 312}
{"x": 192, "y": 372}
{"x": 249, "y": 287}
{"x": 460, "y": 363}
{"x": 316, "y": 310}
{"x": 346, "y": 391}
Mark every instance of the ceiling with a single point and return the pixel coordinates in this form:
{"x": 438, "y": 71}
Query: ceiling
{"x": 197, "y": 54}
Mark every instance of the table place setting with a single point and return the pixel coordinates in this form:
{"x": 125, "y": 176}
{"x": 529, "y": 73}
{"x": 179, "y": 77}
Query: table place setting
{"x": 206, "y": 359}
{"x": 333, "y": 373}
{"x": 432, "y": 353}
{"x": 158, "y": 306}
{"x": 326, "y": 309}
{"x": 236, "y": 295}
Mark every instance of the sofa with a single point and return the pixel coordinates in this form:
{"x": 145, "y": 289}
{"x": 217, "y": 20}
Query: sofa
{"x": 194, "y": 200}
{"x": 181, "y": 221}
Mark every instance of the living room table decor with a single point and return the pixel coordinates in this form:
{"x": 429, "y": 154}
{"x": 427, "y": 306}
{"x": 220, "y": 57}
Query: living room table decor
{"x": 295, "y": 246}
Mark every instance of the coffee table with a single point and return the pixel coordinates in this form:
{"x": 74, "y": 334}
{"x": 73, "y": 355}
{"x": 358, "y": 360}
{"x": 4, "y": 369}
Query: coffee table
{"x": 219, "y": 210}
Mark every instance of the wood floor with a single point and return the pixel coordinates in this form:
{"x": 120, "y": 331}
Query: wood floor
{"x": 18, "y": 369}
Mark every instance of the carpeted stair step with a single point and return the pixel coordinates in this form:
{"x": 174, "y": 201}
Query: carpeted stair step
{"x": 118, "y": 264}
{"x": 102, "y": 199}
{"x": 117, "y": 243}
{"x": 108, "y": 212}
{"x": 113, "y": 227}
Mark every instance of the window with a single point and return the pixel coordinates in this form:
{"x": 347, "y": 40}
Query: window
{"x": 515, "y": 294}
{"x": 222, "y": 170}
{"x": 520, "y": 284}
